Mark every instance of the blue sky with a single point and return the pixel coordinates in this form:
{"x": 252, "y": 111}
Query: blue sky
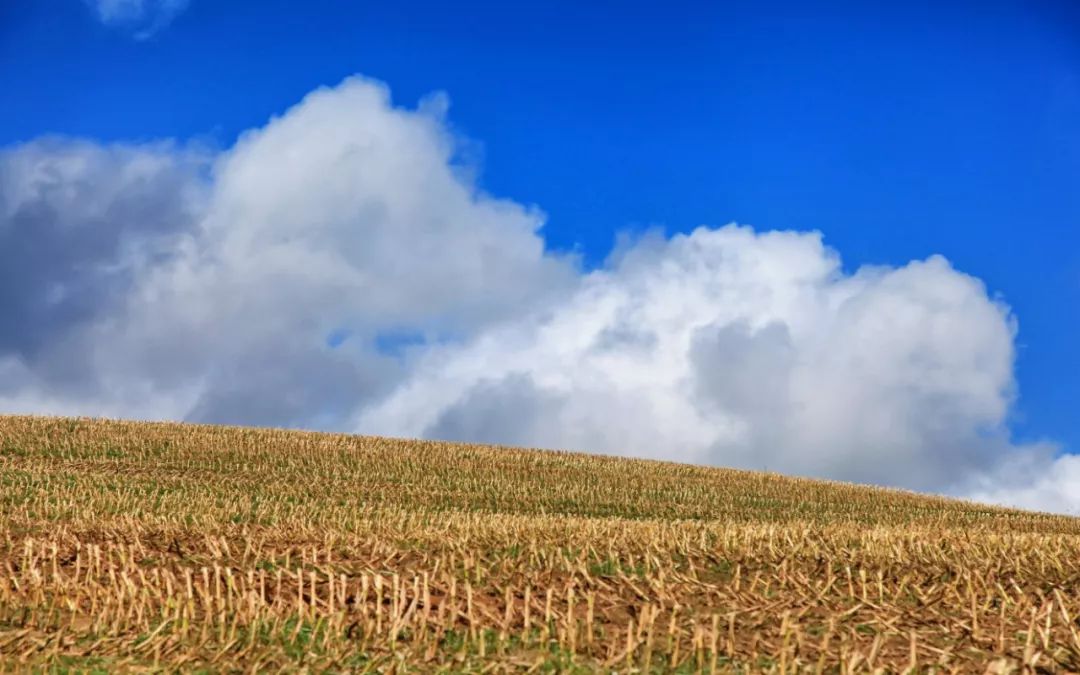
{"x": 899, "y": 130}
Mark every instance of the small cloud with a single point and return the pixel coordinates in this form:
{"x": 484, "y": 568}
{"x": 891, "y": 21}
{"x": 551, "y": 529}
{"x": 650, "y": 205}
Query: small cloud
{"x": 143, "y": 18}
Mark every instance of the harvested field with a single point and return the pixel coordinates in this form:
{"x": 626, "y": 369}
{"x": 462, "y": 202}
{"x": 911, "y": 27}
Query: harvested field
{"x": 129, "y": 546}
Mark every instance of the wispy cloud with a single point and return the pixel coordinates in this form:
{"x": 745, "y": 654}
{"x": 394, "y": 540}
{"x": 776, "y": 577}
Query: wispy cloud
{"x": 260, "y": 285}
{"x": 142, "y": 18}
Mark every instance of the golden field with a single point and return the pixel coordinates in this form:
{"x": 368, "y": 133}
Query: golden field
{"x": 167, "y": 547}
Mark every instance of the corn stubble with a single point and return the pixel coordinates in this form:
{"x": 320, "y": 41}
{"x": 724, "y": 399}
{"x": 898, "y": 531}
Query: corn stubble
{"x": 134, "y": 546}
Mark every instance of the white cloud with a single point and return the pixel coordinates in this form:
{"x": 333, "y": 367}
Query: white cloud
{"x": 733, "y": 347}
{"x": 142, "y": 17}
{"x": 179, "y": 285}
{"x": 345, "y": 214}
{"x": 80, "y": 224}
{"x": 1031, "y": 480}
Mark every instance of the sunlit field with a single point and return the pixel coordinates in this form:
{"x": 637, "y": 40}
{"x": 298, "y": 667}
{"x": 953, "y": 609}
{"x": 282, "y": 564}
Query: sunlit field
{"x": 164, "y": 546}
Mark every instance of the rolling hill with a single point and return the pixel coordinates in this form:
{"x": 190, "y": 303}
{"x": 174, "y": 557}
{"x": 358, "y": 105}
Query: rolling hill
{"x": 127, "y": 545}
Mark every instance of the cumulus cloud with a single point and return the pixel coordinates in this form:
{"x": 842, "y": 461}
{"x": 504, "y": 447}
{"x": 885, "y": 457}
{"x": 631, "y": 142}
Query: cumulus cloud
{"x": 142, "y": 18}
{"x": 214, "y": 300}
{"x": 1036, "y": 479}
{"x": 338, "y": 268}
{"x": 80, "y": 225}
{"x": 741, "y": 348}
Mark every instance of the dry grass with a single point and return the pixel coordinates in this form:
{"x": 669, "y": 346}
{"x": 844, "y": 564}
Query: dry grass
{"x": 130, "y": 546}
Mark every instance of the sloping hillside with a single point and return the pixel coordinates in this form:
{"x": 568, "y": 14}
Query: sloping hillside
{"x": 131, "y": 544}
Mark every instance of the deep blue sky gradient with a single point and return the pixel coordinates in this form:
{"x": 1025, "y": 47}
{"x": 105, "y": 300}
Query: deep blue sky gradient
{"x": 947, "y": 127}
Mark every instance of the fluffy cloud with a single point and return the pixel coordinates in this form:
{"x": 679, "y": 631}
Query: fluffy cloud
{"x": 338, "y": 268}
{"x": 142, "y": 17}
{"x": 211, "y": 289}
{"x": 80, "y": 225}
{"x": 1035, "y": 479}
{"x": 746, "y": 349}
